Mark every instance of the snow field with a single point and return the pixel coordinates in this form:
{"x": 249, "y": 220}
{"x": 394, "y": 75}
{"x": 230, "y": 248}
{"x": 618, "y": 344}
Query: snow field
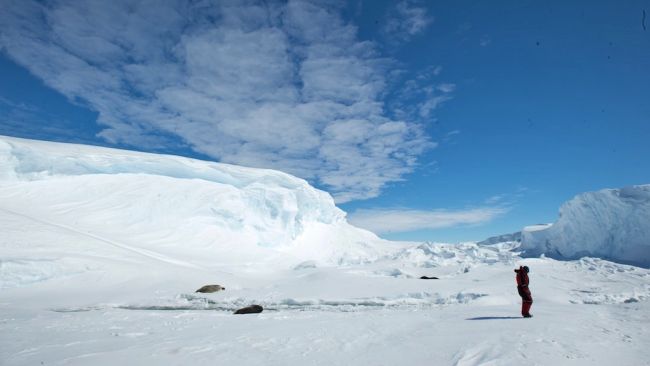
{"x": 340, "y": 316}
{"x": 101, "y": 251}
{"x": 136, "y": 309}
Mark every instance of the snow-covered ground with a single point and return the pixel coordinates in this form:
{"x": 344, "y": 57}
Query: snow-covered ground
{"x": 101, "y": 251}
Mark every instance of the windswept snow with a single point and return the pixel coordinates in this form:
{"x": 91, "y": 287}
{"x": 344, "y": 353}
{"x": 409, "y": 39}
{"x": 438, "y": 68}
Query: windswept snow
{"x": 611, "y": 223}
{"x": 167, "y": 206}
{"x": 101, "y": 251}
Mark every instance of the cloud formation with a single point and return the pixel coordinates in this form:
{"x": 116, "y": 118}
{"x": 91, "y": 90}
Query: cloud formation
{"x": 406, "y": 20}
{"x": 287, "y": 86}
{"x": 382, "y": 221}
{"x": 421, "y": 95}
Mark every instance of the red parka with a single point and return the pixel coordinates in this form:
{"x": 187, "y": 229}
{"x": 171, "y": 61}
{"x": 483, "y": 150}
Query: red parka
{"x": 522, "y": 277}
{"x": 524, "y": 291}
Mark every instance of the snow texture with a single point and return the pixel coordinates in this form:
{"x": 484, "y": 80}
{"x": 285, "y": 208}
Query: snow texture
{"x": 101, "y": 251}
{"x": 612, "y": 224}
{"x": 197, "y": 204}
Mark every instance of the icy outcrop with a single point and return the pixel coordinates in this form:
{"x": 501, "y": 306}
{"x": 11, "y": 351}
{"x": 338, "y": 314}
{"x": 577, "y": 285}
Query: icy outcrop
{"x": 465, "y": 255}
{"x": 613, "y": 224}
{"x": 173, "y": 206}
{"x": 28, "y": 160}
{"x": 501, "y": 239}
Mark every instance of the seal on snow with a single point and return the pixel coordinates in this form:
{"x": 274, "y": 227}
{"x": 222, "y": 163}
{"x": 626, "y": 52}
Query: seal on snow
{"x": 210, "y": 289}
{"x": 252, "y": 309}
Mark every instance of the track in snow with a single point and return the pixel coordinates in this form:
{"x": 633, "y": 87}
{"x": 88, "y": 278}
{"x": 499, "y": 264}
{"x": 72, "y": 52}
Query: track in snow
{"x": 143, "y": 252}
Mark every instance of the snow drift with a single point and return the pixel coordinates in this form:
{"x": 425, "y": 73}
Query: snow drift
{"x": 612, "y": 223}
{"x": 175, "y": 207}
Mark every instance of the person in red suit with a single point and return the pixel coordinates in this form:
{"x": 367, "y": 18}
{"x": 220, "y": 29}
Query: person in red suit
{"x": 524, "y": 291}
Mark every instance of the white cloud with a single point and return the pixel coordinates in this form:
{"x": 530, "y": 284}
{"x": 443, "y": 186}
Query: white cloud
{"x": 383, "y": 221}
{"x": 449, "y": 136}
{"x": 284, "y": 86}
{"x": 494, "y": 199}
{"x": 421, "y": 95}
{"x": 429, "y": 105}
{"x": 446, "y": 87}
{"x": 507, "y": 199}
{"x": 406, "y": 20}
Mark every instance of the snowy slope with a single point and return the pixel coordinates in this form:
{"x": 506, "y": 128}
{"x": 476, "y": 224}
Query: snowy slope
{"x": 101, "y": 251}
{"x": 611, "y": 223}
{"x": 177, "y": 207}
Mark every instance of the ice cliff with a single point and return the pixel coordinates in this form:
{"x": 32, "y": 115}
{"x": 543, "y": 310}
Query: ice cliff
{"x": 177, "y": 206}
{"x": 612, "y": 224}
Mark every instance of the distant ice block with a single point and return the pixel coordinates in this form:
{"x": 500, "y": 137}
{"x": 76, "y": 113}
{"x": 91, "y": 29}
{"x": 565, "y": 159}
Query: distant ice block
{"x": 613, "y": 224}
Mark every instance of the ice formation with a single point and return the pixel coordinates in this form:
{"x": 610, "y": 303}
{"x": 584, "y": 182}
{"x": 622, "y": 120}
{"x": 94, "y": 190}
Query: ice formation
{"x": 612, "y": 224}
{"x": 177, "y": 205}
{"x": 501, "y": 238}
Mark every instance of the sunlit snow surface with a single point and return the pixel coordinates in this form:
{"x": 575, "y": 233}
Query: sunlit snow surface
{"x": 101, "y": 251}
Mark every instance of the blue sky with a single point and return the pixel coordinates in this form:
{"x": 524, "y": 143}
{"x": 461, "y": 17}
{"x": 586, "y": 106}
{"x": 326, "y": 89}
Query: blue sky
{"x": 426, "y": 120}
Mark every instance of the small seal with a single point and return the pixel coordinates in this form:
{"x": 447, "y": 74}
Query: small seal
{"x": 252, "y": 309}
{"x": 210, "y": 289}
{"x": 428, "y": 278}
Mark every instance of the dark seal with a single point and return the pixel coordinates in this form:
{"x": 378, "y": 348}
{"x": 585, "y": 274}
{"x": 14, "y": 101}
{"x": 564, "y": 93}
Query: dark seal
{"x": 252, "y": 309}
